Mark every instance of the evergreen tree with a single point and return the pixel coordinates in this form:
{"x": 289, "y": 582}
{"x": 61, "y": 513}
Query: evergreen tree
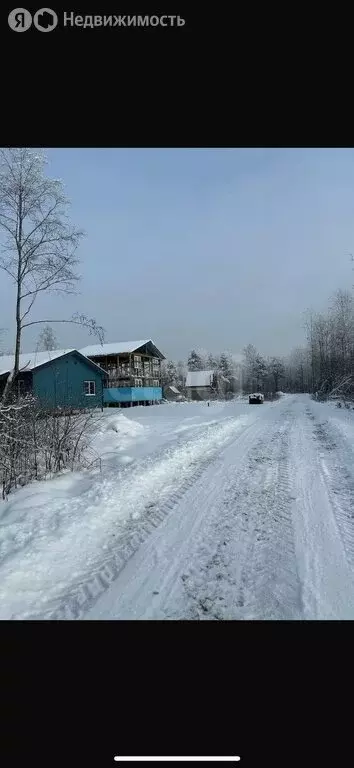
{"x": 171, "y": 371}
{"x": 211, "y": 362}
{"x": 225, "y": 365}
{"x": 195, "y": 362}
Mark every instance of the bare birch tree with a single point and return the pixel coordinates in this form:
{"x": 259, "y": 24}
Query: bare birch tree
{"x": 47, "y": 340}
{"x": 38, "y": 251}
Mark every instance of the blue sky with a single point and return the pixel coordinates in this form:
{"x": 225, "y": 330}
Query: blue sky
{"x": 211, "y": 248}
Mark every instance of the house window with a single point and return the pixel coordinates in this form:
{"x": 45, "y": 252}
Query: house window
{"x": 89, "y": 387}
{"x": 137, "y": 359}
{"x": 155, "y": 383}
{"x": 138, "y": 382}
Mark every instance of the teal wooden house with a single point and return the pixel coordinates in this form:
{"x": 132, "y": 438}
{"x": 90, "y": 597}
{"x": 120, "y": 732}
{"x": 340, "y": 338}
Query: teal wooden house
{"x": 59, "y": 379}
{"x": 133, "y": 371}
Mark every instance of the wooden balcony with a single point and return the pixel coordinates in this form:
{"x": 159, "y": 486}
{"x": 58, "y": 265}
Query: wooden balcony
{"x": 123, "y": 380}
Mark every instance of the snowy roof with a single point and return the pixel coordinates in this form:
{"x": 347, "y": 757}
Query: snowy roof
{"x": 31, "y": 360}
{"x": 199, "y": 378}
{"x": 117, "y": 348}
{"x": 173, "y": 389}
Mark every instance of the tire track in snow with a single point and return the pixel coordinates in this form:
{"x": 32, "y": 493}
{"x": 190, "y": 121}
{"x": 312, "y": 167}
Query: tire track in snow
{"x": 336, "y": 463}
{"x": 261, "y": 533}
{"x": 271, "y": 576}
{"x": 251, "y": 571}
{"x": 79, "y": 599}
{"x": 326, "y": 572}
{"x": 152, "y": 582}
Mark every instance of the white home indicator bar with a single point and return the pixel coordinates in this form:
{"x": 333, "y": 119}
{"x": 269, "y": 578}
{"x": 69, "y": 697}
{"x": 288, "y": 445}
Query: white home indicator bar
{"x": 177, "y": 759}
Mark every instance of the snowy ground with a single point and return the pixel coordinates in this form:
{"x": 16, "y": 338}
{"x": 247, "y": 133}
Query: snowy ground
{"x": 223, "y": 512}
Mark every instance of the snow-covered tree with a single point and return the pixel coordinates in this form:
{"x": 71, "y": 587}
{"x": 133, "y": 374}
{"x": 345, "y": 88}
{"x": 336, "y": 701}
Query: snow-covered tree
{"x": 250, "y": 354}
{"x": 225, "y": 365}
{"x": 195, "y": 361}
{"x": 225, "y": 374}
{"x": 255, "y": 369}
{"x": 211, "y": 362}
{"x": 276, "y": 371}
{"x": 171, "y": 370}
{"x": 47, "y": 340}
{"x": 164, "y": 374}
{"x": 260, "y": 372}
{"x": 297, "y": 371}
{"x": 181, "y": 374}
{"x": 39, "y": 244}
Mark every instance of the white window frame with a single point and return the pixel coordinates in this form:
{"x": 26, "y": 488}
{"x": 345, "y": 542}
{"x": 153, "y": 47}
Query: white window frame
{"x": 155, "y": 383}
{"x": 138, "y": 382}
{"x": 91, "y": 385}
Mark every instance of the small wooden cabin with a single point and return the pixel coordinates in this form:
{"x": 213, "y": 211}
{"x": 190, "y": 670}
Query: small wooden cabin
{"x": 58, "y": 379}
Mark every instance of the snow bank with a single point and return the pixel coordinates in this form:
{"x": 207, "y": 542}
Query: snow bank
{"x": 115, "y": 434}
{"x": 68, "y": 525}
{"x": 123, "y": 426}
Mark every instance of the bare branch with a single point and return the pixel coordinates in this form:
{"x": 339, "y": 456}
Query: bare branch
{"x": 40, "y": 244}
{"x": 77, "y": 319}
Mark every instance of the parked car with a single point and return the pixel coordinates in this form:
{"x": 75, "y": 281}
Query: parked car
{"x": 256, "y": 398}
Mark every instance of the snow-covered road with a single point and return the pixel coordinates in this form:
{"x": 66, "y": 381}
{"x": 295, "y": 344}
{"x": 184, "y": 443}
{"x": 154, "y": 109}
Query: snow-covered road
{"x": 227, "y": 512}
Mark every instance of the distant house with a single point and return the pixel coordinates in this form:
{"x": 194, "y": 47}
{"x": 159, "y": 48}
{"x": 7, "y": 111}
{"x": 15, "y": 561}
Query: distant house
{"x": 208, "y": 385}
{"x": 59, "y": 379}
{"x": 172, "y": 394}
{"x": 133, "y": 371}
{"x": 201, "y": 385}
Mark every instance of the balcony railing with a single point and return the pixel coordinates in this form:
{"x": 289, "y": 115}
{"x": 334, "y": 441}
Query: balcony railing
{"x": 129, "y": 381}
{"x": 130, "y": 373}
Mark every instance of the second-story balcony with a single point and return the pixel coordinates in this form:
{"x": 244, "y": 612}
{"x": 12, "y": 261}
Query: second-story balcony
{"x": 136, "y": 372}
{"x": 124, "y": 376}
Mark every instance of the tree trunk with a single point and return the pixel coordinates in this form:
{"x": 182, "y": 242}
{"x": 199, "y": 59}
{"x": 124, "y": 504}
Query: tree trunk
{"x": 13, "y": 375}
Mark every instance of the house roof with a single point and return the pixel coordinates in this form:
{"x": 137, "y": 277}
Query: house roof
{"x": 173, "y": 389}
{"x": 120, "y": 348}
{"x": 31, "y": 360}
{"x": 199, "y": 378}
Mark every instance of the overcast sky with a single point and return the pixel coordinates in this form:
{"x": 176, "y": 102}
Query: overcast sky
{"x": 211, "y": 248}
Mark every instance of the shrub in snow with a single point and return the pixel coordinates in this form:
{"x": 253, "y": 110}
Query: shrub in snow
{"x": 35, "y": 442}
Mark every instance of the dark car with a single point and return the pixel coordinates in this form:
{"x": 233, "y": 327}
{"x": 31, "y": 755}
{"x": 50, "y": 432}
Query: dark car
{"x": 256, "y": 399}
